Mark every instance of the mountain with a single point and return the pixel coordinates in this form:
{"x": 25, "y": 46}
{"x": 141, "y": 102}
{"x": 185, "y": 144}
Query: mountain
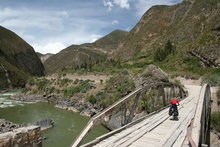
{"x": 18, "y": 60}
{"x": 192, "y": 26}
{"x": 44, "y": 57}
{"x": 74, "y": 56}
{"x": 191, "y": 29}
{"x": 111, "y": 40}
{"x": 85, "y": 55}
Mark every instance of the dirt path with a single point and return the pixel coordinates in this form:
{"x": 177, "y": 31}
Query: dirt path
{"x": 214, "y": 99}
{"x": 92, "y": 77}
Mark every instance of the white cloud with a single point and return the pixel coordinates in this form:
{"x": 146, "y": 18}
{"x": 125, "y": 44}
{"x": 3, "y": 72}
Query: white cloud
{"x": 63, "y": 14}
{"x": 49, "y": 48}
{"x": 94, "y": 37}
{"x": 86, "y": 38}
{"x": 115, "y": 22}
{"x": 57, "y": 43}
{"x": 122, "y": 3}
{"x": 109, "y": 5}
{"x": 6, "y": 12}
{"x": 30, "y": 18}
{"x": 93, "y": 40}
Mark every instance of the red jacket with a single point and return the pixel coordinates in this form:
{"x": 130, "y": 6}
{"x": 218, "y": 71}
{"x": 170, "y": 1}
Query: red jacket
{"x": 174, "y": 101}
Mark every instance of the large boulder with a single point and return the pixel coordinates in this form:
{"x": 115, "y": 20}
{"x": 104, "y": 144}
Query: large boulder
{"x": 152, "y": 74}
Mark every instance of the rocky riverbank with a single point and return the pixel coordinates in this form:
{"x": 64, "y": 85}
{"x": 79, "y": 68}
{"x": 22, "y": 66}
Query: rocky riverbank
{"x": 22, "y": 137}
{"x": 12, "y": 134}
{"x": 6, "y": 126}
{"x": 84, "y": 108}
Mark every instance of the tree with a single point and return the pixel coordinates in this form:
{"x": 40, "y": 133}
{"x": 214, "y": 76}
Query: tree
{"x": 168, "y": 48}
{"x": 161, "y": 54}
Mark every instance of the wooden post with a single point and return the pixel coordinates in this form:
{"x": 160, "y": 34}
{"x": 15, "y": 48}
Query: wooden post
{"x": 152, "y": 100}
{"x": 130, "y": 117}
{"x": 164, "y": 96}
{"x": 123, "y": 120}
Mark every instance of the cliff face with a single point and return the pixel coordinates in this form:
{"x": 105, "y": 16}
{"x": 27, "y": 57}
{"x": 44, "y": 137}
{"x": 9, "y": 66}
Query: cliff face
{"x": 193, "y": 25}
{"x": 18, "y": 60}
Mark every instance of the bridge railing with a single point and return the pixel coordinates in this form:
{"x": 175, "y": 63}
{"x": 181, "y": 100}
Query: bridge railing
{"x": 125, "y": 107}
{"x": 201, "y": 124}
{"x": 98, "y": 118}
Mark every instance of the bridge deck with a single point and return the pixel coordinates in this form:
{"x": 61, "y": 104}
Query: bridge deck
{"x": 159, "y": 129}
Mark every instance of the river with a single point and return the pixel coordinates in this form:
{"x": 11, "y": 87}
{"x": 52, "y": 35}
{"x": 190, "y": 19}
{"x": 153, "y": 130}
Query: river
{"x": 67, "y": 124}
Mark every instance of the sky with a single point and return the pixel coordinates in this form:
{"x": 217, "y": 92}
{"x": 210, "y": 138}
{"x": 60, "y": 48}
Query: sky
{"x": 52, "y": 25}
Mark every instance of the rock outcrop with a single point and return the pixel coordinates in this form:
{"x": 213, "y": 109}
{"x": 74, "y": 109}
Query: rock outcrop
{"x": 152, "y": 74}
{"x": 45, "y": 123}
{"x": 6, "y": 126}
{"x": 22, "y": 137}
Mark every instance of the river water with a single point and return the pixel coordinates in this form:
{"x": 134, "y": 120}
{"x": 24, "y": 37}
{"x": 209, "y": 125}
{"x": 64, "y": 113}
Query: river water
{"x": 67, "y": 124}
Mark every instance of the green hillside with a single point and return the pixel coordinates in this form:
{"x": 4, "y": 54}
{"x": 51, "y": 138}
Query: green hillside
{"x": 18, "y": 60}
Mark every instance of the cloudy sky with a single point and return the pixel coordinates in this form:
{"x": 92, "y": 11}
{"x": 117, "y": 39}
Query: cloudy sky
{"x": 52, "y": 25}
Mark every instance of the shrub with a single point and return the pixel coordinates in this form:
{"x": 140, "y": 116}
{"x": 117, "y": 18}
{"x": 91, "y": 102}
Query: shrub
{"x": 71, "y": 91}
{"x": 215, "y": 121}
{"x": 64, "y": 81}
{"x": 101, "y": 81}
{"x": 91, "y": 98}
{"x": 76, "y": 81}
{"x": 41, "y": 83}
{"x": 161, "y": 54}
{"x": 116, "y": 87}
{"x": 50, "y": 90}
{"x": 212, "y": 79}
{"x": 31, "y": 81}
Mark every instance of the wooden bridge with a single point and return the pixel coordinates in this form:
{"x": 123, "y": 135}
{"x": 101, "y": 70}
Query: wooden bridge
{"x": 156, "y": 129}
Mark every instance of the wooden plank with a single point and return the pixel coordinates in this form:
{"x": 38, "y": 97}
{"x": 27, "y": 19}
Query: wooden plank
{"x": 145, "y": 124}
{"x": 125, "y": 133}
{"x": 161, "y": 129}
{"x": 168, "y": 124}
{"x": 150, "y": 140}
{"x": 184, "y": 124}
{"x": 142, "y": 144}
{"x": 152, "y": 135}
{"x": 145, "y": 129}
{"x": 180, "y": 139}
